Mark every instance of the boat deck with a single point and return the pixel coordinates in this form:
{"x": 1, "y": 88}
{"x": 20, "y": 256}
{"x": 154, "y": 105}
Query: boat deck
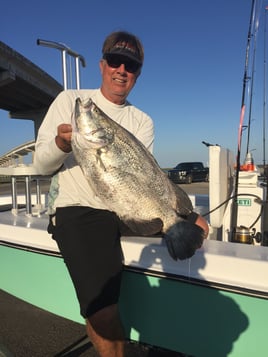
{"x": 20, "y": 322}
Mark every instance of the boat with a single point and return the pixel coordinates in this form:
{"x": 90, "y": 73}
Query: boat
{"x": 213, "y": 304}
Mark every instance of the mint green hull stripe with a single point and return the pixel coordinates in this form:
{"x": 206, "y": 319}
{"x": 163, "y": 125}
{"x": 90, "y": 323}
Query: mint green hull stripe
{"x": 198, "y": 321}
{"x": 41, "y": 280}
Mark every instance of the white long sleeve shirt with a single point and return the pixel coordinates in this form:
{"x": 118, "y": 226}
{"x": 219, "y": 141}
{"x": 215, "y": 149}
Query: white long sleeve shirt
{"x": 69, "y": 186}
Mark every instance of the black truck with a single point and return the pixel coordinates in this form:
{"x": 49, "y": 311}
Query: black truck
{"x": 188, "y": 172}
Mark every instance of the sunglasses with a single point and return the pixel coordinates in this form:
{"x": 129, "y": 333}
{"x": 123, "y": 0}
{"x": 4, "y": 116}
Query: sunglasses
{"x": 115, "y": 61}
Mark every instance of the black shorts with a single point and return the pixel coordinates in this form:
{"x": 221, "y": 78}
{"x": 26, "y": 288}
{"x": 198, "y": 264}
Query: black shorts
{"x": 89, "y": 241}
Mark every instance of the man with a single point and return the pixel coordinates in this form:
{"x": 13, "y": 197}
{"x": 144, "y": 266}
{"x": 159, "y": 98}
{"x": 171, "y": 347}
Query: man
{"x": 87, "y": 234}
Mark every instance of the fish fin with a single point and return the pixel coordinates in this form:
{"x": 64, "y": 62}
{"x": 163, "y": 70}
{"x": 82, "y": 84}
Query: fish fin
{"x": 183, "y": 238}
{"x": 143, "y": 228}
{"x": 99, "y": 160}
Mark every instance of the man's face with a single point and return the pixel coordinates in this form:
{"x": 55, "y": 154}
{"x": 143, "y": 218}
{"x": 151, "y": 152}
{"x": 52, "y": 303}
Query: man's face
{"x": 119, "y": 75}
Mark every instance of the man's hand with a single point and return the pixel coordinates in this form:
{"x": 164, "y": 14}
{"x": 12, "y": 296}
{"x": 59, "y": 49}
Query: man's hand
{"x": 202, "y": 223}
{"x": 63, "y": 138}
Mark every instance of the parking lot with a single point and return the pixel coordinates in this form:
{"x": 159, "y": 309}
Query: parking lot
{"x": 201, "y": 188}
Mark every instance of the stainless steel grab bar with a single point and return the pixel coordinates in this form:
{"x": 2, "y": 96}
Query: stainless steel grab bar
{"x": 65, "y": 50}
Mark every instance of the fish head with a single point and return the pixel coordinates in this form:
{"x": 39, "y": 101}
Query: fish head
{"x": 91, "y": 125}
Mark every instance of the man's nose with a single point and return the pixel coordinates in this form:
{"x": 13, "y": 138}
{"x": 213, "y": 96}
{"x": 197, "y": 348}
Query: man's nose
{"x": 121, "y": 68}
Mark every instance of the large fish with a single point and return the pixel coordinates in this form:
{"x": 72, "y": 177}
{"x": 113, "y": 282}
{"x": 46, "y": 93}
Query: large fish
{"x": 127, "y": 178}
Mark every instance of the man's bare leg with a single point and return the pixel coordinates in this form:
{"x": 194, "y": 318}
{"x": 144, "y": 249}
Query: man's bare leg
{"x": 105, "y": 331}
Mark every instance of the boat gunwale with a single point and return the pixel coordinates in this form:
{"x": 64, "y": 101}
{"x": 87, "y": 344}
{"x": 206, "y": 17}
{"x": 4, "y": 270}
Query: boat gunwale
{"x": 154, "y": 273}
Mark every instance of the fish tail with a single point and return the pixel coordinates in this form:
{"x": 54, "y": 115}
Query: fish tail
{"x": 183, "y": 238}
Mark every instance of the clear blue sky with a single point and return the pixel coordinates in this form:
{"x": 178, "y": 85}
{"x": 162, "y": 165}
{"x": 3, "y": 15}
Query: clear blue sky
{"x": 191, "y": 83}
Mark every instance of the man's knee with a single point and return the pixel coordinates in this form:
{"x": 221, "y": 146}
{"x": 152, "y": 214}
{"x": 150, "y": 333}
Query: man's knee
{"x": 107, "y": 323}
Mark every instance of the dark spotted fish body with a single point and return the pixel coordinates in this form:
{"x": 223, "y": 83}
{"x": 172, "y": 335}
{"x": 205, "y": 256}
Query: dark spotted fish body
{"x": 128, "y": 180}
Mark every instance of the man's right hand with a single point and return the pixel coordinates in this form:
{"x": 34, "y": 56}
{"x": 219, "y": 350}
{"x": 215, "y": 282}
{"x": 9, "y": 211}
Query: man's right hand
{"x": 63, "y": 138}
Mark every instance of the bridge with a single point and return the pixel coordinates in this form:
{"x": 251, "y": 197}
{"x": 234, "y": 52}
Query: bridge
{"x": 15, "y": 157}
{"x": 26, "y": 91}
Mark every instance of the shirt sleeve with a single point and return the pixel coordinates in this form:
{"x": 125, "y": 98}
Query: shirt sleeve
{"x": 48, "y": 157}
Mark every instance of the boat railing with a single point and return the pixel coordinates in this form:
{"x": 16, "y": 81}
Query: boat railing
{"x": 66, "y": 52}
{"x": 28, "y": 174}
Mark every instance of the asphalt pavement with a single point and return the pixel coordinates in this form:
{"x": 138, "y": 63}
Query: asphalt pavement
{"x": 201, "y": 188}
{"x": 196, "y": 188}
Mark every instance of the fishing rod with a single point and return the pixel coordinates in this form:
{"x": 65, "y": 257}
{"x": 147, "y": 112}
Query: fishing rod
{"x": 234, "y": 207}
{"x": 264, "y": 100}
{"x": 252, "y": 85}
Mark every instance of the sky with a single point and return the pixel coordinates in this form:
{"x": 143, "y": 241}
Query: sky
{"x": 192, "y": 78}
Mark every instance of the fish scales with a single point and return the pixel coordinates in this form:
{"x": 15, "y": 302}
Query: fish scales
{"x": 122, "y": 170}
{"x": 124, "y": 174}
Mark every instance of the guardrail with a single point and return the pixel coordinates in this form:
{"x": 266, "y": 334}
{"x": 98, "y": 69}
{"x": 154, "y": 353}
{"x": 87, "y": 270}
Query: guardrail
{"x": 27, "y": 174}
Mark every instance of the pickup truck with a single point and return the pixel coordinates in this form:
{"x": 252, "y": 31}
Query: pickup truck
{"x": 188, "y": 172}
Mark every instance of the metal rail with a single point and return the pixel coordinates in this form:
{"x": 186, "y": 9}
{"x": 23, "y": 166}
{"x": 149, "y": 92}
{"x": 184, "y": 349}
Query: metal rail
{"x": 65, "y": 50}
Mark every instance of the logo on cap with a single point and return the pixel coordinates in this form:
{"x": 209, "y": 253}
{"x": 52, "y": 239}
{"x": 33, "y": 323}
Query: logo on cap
{"x": 123, "y": 45}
